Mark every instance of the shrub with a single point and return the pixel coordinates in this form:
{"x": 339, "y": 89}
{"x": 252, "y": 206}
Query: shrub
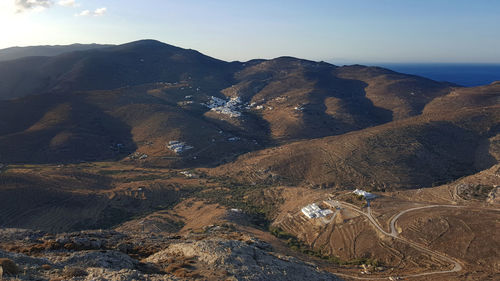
{"x": 71, "y": 272}
{"x": 46, "y": 267}
{"x": 172, "y": 268}
{"x": 9, "y": 267}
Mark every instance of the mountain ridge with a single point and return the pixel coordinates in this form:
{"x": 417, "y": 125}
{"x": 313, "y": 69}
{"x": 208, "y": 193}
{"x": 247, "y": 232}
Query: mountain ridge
{"x": 13, "y": 53}
{"x": 169, "y": 164}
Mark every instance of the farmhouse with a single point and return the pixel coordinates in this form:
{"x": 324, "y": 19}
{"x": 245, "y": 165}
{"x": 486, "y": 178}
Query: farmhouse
{"x": 365, "y": 194}
{"x": 313, "y": 211}
{"x": 178, "y": 146}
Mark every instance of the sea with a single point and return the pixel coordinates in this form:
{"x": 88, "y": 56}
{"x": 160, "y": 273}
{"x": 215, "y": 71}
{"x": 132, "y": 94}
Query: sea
{"x": 462, "y": 74}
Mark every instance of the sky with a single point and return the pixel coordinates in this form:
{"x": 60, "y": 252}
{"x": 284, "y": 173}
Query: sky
{"x": 353, "y": 31}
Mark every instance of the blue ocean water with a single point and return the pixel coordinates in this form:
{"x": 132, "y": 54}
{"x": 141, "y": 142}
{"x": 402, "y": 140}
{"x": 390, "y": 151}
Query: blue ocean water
{"x": 461, "y": 74}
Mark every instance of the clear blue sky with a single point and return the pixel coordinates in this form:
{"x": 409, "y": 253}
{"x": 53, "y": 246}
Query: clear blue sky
{"x": 336, "y": 30}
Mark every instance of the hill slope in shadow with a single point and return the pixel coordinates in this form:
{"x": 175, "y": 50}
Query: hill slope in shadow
{"x": 433, "y": 148}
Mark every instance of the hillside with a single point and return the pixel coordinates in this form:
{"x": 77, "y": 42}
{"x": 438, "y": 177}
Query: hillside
{"x": 146, "y": 161}
{"x": 144, "y": 94}
{"x": 134, "y": 63}
{"x": 404, "y": 95}
{"x": 303, "y": 99}
{"x": 45, "y": 51}
{"x": 121, "y": 124}
{"x": 439, "y": 146}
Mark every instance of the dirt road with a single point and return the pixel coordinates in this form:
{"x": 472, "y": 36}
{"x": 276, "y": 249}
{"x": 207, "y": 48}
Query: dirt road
{"x": 457, "y": 266}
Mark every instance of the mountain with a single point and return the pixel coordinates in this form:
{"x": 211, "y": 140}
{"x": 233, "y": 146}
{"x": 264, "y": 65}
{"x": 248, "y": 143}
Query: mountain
{"x": 457, "y": 135}
{"x": 303, "y": 99}
{"x": 44, "y": 51}
{"x": 135, "y": 63}
{"x": 107, "y": 125}
{"x": 144, "y": 94}
{"x": 153, "y": 162}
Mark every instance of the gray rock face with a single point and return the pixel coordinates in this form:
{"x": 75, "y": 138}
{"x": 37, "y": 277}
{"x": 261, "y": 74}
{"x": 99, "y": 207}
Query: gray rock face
{"x": 23, "y": 259}
{"x": 108, "y": 255}
{"x": 99, "y": 266}
{"x": 104, "y": 259}
{"x": 243, "y": 261}
{"x": 104, "y": 274}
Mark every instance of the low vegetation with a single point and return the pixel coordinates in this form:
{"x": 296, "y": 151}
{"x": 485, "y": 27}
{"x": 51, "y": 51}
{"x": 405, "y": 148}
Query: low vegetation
{"x": 8, "y": 267}
{"x": 474, "y": 191}
{"x": 239, "y": 196}
{"x": 295, "y": 244}
{"x": 90, "y": 150}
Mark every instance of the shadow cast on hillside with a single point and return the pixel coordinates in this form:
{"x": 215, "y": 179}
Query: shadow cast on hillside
{"x": 422, "y": 155}
{"x": 352, "y": 112}
{"x": 86, "y": 133}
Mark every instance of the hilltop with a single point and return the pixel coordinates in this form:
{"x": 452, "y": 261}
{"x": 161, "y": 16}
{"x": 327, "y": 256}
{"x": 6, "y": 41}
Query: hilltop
{"x": 109, "y": 68}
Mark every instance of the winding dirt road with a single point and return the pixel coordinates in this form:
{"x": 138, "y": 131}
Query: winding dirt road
{"x": 457, "y": 266}
{"x": 394, "y": 233}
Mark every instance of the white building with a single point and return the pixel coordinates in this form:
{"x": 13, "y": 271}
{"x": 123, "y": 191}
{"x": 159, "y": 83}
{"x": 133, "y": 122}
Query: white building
{"x": 230, "y": 107}
{"x": 313, "y": 211}
{"x": 326, "y": 212}
{"x": 178, "y": 146}
{"x": 365, "y": 194}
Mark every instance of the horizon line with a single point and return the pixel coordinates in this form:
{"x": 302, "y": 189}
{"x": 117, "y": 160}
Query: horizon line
{"x": 337, "y": 61}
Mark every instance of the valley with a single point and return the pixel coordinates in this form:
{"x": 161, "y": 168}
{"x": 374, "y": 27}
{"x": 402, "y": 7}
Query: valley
{"x": 145, "y": 161}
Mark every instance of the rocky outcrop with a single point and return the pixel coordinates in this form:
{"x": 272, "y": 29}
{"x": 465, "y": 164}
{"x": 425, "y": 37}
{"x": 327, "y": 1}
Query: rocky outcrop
{"x": 217, "y": 254}
{"x": 104, "y": 274}
{"x": 100, "y": 259}
{"x": 242, "y": 261}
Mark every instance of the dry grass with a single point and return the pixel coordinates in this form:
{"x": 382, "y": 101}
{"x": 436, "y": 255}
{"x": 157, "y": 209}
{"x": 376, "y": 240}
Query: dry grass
{"x": 181, "y": 266}
{"x": 71, "y": 272}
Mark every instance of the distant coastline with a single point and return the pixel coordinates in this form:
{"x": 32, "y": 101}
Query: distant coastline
{"x": 465, "y": 74}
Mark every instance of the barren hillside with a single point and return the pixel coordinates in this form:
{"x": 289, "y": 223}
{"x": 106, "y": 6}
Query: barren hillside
{"x": 171, "y": 164}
